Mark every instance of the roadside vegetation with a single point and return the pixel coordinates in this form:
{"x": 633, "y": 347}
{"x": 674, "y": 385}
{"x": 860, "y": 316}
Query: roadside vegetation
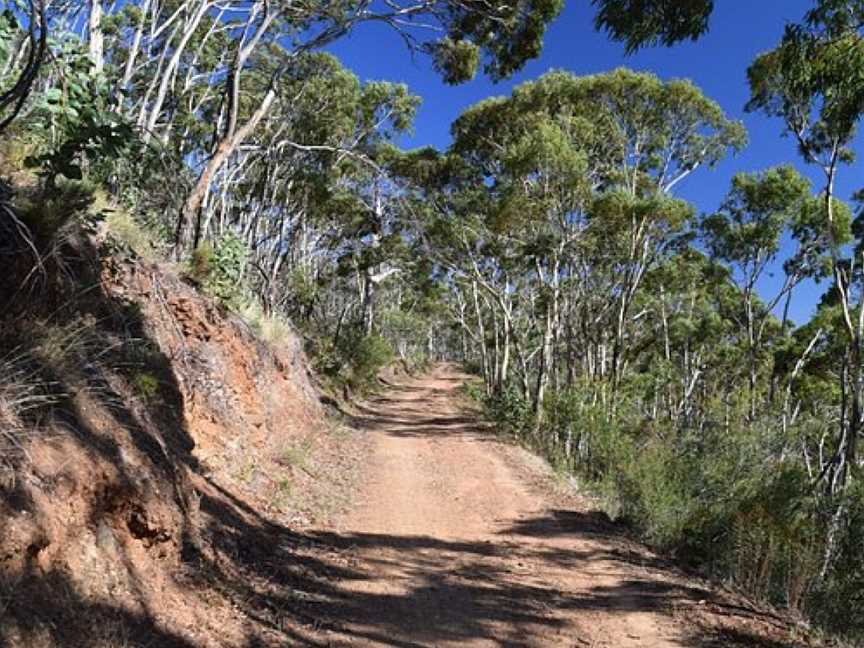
{"x": 617, "y": 331}
{"x": 632, "y": 340}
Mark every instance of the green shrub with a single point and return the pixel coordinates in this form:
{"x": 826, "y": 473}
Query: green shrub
{"x": 296, "y": 455}
{"x": 146, "y": 385}
{"x": 302, "y": 289}
{"x": 658, "y": 495}
{"x": 273, "y": 329}
{"x": 719, "y": 496}
{"x": 45, "y": 212}
{"x": 201, "y": 262}
{"x": 510, "y": 411}
{"x": 139, "y": 237}
{"x": 845, "y": 580}
{"x": 219, "y": 268}
{"x": 355, "y": 360}
{"x": 418, "y": 362}
{"x": 367, "y": 357}
{"x": 473, "y": 390}
{"x": 473, "y": 367}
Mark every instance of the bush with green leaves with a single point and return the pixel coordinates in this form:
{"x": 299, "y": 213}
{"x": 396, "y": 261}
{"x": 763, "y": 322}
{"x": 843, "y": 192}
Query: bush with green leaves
{"x": 76, "y": 124}
{"x": 146, "y": 385}
{"x": 219, "y": 268}
{"x": 723, "y": 498}
{"x": 510, "y": 410}
{"x": 366, "y": 357}
{"x": 355, "y": 360}
{"x": 844, "y": 579}
{"x": 47, "y": 211}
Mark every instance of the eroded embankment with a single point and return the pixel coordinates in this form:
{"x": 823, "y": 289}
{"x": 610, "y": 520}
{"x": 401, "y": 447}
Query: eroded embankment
{"x": 162, "y": 467}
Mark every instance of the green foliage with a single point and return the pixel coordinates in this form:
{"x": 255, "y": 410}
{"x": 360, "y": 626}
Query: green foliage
{"x": 641, "y": 23}
{"x": 201, "y": 262}
{"x": 272, "y": 328}
{"x": 46, "y": 212}
{"x": 79, "y": 124}
{"x": 219, "y": 269}
{"x": 146, "y": 385}
{"x": 456, "y": 61}
{"x": 805, "y": 82}
{"x": 719, "y": 498}
{"x": 141, "y": 238}
{"x": 508, "y": 34}
{"x": 846, "y": 577}
{"x": 755, "y": 214}
{"x": 365, "y": 357}
{"x": 551, "y": 142}
{"x": 510, "y": 410}
{"x": 296, "y": 455}
{"x": 355, "y": 360}
{"x": 473, "y": 391}
{"x": 9, "y": 29}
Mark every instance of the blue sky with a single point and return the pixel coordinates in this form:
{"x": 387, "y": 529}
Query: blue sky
{"x": 717, "y": 63}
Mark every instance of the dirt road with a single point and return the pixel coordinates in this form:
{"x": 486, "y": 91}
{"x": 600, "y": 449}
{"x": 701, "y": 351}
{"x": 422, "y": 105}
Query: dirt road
{"x": 456, "y": 541}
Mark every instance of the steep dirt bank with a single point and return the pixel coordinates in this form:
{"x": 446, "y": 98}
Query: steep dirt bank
{"x": 155, "y": 477}
{"x": 458, "y": 540}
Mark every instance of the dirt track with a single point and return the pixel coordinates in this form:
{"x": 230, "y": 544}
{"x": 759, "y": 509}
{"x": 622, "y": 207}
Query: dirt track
{"x": 455, "y": 541}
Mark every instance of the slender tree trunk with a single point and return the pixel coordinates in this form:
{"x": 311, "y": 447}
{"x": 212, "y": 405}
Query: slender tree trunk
{"x": 481, "y": 330}
{"x": 132, "y": 55}
{"x": 368, "y": 306}
{"x": 223, "y": 151}
{"x": 505, "y": 353}
{"x": 543, "y": 371}
{"x": 95, "y": 36}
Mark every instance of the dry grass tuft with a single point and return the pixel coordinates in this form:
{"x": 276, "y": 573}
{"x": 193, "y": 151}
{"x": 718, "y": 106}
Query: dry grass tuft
{"x": 139, "y": 238}
{"x": 23, "y": 391}
{"x": 272, "y": 329}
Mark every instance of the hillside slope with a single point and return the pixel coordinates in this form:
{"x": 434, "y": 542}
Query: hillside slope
{"x": 151, "y": 447}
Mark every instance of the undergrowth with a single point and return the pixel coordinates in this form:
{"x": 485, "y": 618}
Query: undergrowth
{"x": 722, "y": 498}
{"x": 353, "y": 361}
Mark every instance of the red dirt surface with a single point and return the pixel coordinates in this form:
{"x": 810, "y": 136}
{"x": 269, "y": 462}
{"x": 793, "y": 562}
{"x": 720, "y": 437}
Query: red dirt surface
{"x": 459, "y": 540}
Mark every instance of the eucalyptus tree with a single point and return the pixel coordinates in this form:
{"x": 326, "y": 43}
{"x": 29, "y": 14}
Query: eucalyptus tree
{"x": 746, "y": 234}
{"x": 505, "y": 36}
{"x": 222, "y": 61}
{"x": 308, "y": 190}
{"x": 689, "y": 350}
{"x": 805, "y": 82}
{"x": 583, "y": 168}
{"x": 372, "y": 229}
{"x": 641, "y": 23}
{"x": 575, "y": 177}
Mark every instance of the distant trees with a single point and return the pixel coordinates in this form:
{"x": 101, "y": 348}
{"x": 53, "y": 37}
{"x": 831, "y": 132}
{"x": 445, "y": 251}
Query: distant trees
{"x": 746, "y": 235}
{"x": 579, "y": 173}
{"x": 230, "y": 112}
